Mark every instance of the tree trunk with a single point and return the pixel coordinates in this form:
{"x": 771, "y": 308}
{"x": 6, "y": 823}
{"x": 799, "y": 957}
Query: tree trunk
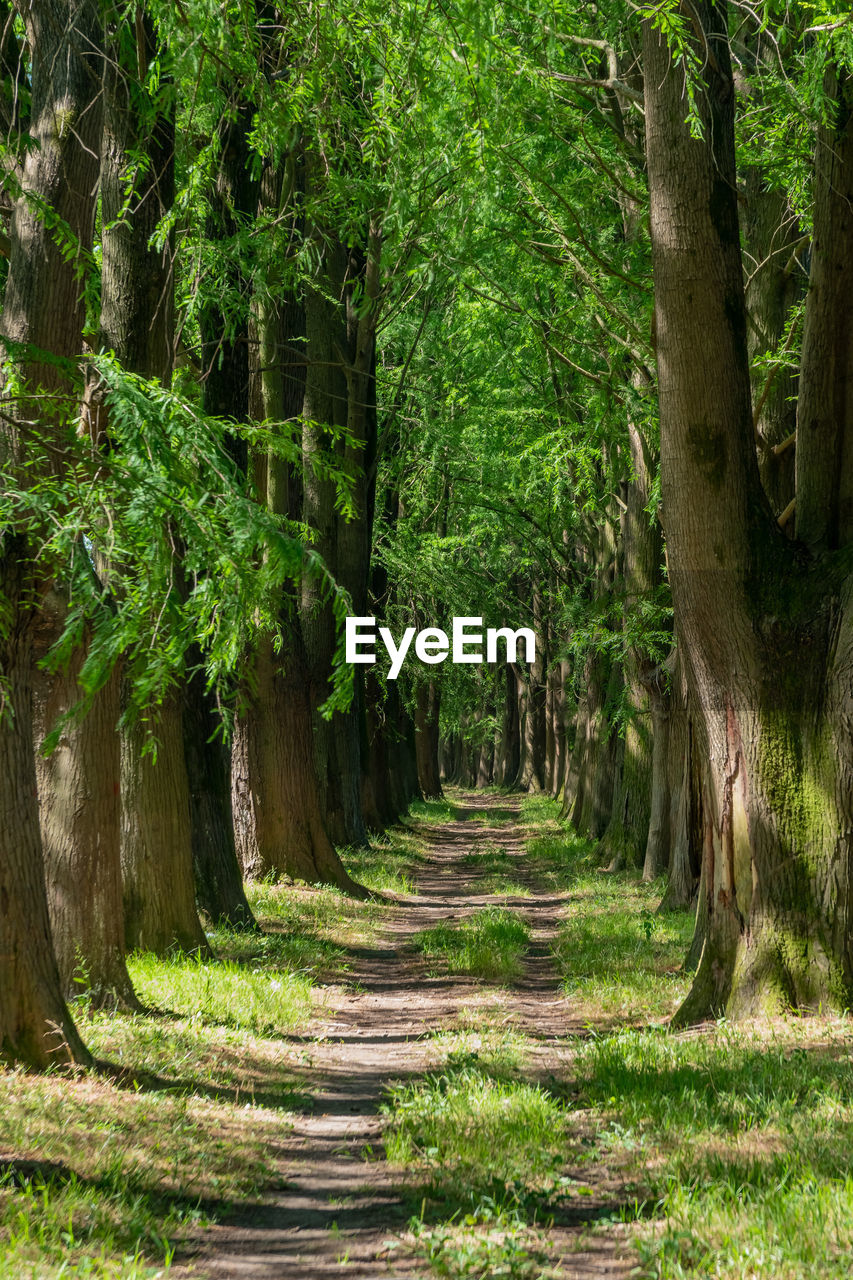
{"x": 137, "y": 322}
{"x": 225, "y": 366}
{"x": 35, "y": 1025}
{"x": 402, "y": 742}
{"x": 626, "y": 838}
{"x": 287, "y": 821}
{"x": 279, "y": 820}
{"x": 556, "y": 717}
{"x": 218, "y": 881}
{"x": 341, "y": 309}
{"x": 79, "y": 781}
{"x": 769, "y": 640}
{"x": 427, "y": 708}
{"x": 657, "y": 842}
{"x": 79, "y": 813}
{"x": 156, "y": 850}
{"x": 510, "y": 739}
{"x": 42, "y": 307}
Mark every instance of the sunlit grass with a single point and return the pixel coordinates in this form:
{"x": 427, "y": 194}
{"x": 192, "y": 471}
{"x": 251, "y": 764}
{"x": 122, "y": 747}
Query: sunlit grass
{"x": 484, "y": 1152}
{"x": 390, "y": 863}
{"x": 487, "y": 944}
{"x": 259, "y": 999}
{"x": 441, "y": 811}
{"x": 473, "y": 1129}
{"x": 618, "y": 957}
{"x": 119, "y": 1171}
{"x": 497, "y": 871}
{"x": 738, "y": 1139}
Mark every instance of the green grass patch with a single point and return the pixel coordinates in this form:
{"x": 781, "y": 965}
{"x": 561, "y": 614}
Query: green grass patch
{"x": 301, "y": 949}
{"x": 484, "y": 1153}
{"x": 311, "y": 928}
{"x": 119, "y": 1169}
{"x": 497, "y": 871}
{"x": 488, "y": 944}
{"x": 491, "y": 817}
{"x": 618, "y": 957}
{"x": 472, "y": 1130}
{"x": 316, "y": 926}
{"x": 389, "y": 864}
{"x": 260, "y": 999}
{"x": 440, "y": 811}
{"x": 739, "y": 1139}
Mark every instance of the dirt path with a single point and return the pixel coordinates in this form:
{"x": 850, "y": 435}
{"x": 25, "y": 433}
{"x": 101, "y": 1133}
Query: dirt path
{"x": 339, "y": 1205}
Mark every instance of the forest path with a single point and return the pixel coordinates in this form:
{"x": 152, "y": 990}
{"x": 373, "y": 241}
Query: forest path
{"x": 341, "y": 1205}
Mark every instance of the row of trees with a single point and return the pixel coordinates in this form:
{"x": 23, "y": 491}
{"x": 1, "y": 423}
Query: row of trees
{"x": 667, "y": 292}
{"x": 527, "y": 314}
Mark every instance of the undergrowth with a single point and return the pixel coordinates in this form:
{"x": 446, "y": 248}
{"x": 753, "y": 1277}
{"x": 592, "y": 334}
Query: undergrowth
{"x": 619, "y": 958}
{"x": 485, "y": 1153}
{"x": 739, "y": 1142}
{"x": 488, "y": 944}
{"x": 103, "y": 1172}
{"x": 496, "y": 871}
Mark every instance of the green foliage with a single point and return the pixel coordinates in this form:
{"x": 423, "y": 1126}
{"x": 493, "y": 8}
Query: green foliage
{"x": 158, "y": 544}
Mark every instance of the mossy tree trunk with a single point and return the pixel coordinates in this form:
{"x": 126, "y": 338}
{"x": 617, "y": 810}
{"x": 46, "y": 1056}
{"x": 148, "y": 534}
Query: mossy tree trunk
{"x": 767, "y": 625}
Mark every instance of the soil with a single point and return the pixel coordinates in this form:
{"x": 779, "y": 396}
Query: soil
{"x": 341, "y": 1209}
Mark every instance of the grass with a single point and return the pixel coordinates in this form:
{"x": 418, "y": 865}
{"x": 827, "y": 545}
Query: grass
{"x": 313, "y": 929}
{"x": 176, "y": 1123}
{"x": 488, "y": 944}
{"x": 433, "y": 811}
{"x": 389, "y": 864}
{"x": 738, "y": 1139}
{"x": 259, "y": 999}
{"x": 728, "y": 1148}
{"x": 734, "y": 1142}
{"x": 104, "y": 1172}
{"x": 123, "y": 1163}
{"x": 484, "y": 1152}
{"x": 496, "y": 871}
{"x": 618, "y": 957}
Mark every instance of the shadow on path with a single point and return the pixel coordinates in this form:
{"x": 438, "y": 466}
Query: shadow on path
{"x": 340, "y": 1204}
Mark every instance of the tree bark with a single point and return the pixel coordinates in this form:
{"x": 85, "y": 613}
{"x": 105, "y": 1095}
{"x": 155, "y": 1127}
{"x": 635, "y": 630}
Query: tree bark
{"x": 225, "y": 367}
{"x": 824, "y": 471}
{"x": 769, "y": 640}
{"x": 35, "y": 1025}
{"x": 427, "y": 708}
{"x": 156, "y": 851}
{"x": 279, "y": 818}
{"x": 289, "y": 834}
{"x": 137, "y": 322}
{"x": 42, "y": 307}
{"x": 79, "y": 814}
{"x": 510, "y": 737}
{"x": 218, "y": 881}
{"x": 336, "y": 741}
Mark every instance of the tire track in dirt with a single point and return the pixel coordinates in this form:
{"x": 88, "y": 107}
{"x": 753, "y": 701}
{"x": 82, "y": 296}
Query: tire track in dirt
{"x": 340, "y": 1204}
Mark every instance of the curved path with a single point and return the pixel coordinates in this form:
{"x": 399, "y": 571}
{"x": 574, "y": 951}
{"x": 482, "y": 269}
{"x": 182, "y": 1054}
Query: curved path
{"x": 338, "y": 1207}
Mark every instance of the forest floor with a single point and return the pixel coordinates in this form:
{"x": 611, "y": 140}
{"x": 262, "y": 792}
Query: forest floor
{"x": 469, "y": 1076}
{"x": 437, "y": 1129}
